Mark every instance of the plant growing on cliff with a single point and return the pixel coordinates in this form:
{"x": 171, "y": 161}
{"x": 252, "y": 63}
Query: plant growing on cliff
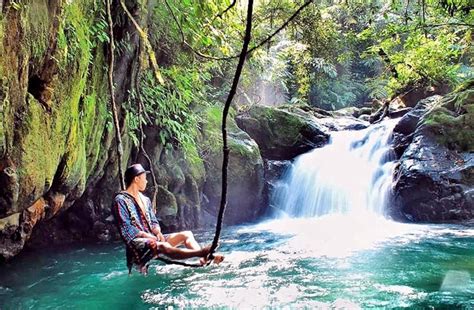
{"x": 168, "y": 108}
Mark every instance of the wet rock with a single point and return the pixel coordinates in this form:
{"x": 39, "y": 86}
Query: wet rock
{"x": 355, "y": 112}
{"x": 9, "y": 190}
{"x": 274, "y": 169}
{"x": 435, "y": 178}
{"x": 403, "y": 131}
{"x": 167, "y": 204}
{"x": 274, "y": 172}
{"x": 365, "y": 118}
{"x": 399, "y": 112}
{"x": 409, "y": 122}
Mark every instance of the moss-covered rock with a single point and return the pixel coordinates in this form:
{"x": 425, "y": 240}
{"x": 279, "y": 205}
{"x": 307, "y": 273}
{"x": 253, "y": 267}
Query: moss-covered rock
{"x": 453, "y": 121}
{"x": 166, "y": 204}
{"x": 245, "y": 172}
{"x": 435, "y": 179}
{"x": 180, "y": 179}
{"x": 282, "y": 133}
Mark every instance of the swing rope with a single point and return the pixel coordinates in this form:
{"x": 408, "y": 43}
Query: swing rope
{"x": 225, "y": 148}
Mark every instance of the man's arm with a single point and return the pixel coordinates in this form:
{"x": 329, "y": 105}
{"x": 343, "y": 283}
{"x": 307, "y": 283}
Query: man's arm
{"x": 155, "y": 225}
{"x": 127, "y": 230}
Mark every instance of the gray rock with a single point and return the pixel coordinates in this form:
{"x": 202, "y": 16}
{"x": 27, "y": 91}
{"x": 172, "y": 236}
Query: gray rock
{"x": 245, "y": 175}
{"x": 434, "y": 181}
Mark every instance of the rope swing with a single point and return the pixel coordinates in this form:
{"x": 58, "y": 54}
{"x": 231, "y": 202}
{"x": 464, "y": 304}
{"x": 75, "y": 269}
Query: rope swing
{"x": 225, "y": 149}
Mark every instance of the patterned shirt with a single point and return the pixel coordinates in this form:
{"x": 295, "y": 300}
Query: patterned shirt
{"x": 130, "y": 217}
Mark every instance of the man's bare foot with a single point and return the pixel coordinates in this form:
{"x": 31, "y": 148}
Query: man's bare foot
{"x": 218, "y": 259}
{"x": 143, "y": 269}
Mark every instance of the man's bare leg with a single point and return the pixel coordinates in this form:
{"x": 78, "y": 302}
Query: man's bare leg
{"x": 180, "y": 253}
{"x": 184, "y": 237}
{"x": 187, "y": 239}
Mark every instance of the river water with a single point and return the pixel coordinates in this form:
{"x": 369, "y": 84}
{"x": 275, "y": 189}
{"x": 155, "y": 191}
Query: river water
{"x": 314, "y": 263}
{"x": 328, "y": 247}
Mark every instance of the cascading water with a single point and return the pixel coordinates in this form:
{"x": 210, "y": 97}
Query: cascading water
{"x": 352, "y": 174}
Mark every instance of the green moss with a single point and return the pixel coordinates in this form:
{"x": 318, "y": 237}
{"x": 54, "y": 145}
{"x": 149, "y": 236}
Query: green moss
{"x": 74, "y": 33}
{"x": 4, "y": 102}
{"x": 453, "y": 121}
{"x": 2, "y": 36}
{"x": 194, "y": 163}
{"x": 86, "y": 110}
{"x": 167, "y": 204}
{"x": 279, "y": 125}
{"x": 71, "y": 135}
{"x": 36, "y": 20}
{"x": 212, "y": 123}
{"x": 242, "y": 144}
{"x": 244, "y": 152}
{"x": 40, "y": 151}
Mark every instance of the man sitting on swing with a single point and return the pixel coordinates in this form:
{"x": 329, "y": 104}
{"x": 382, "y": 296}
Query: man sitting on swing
{"x": 141, "y": 231}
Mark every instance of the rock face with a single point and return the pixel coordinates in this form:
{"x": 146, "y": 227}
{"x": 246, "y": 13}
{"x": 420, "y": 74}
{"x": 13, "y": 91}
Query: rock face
{"x": 53, "y": 107}
{"x": 282, "y": 133}
{"x": 435, "y": 178}
{"x": 274, "y": 172}
{"x": 245, "y": 173}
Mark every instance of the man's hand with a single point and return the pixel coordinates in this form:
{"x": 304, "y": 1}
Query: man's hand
{"x": 159, "y": 235}
{"x": 143, "y": 234}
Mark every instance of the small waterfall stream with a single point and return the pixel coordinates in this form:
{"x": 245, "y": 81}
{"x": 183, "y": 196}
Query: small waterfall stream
{"x": 352, "y": 174}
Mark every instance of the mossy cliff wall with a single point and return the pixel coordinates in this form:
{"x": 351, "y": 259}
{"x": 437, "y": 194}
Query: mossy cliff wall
{"x": 54, "y": 137}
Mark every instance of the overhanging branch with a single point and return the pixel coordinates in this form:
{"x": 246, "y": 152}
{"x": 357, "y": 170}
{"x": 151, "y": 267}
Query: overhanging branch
{"x": 266, "y": 40}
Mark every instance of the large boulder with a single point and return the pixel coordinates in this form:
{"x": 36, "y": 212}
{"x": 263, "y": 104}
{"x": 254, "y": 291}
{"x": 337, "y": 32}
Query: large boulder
{"x": 435, "y": 178}
{"x": 282, "y": 133}
{"x": 245, "y": 172}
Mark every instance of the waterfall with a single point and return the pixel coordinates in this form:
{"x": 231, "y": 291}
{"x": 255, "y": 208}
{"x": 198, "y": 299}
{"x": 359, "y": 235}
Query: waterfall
{"x": 352, "y": 174}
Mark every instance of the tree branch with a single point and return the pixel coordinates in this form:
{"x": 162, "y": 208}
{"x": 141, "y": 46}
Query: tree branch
{"x": 183, "y": 39}
{"x": 295, "y": 14}
{"x": 225, "y": 11}
{"x": 266, "y": 40}
{"x": 450, "y": 24}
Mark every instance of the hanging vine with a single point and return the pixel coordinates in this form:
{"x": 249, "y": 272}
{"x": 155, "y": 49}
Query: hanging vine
{"x": 141, "y": 145}
{"x": 146, "y": 42}
{"x": 112, "y": 94}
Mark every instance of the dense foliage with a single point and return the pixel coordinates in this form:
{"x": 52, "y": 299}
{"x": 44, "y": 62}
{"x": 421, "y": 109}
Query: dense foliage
{"x": 342, "y": 53}
{"x": 334, "y": 54}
